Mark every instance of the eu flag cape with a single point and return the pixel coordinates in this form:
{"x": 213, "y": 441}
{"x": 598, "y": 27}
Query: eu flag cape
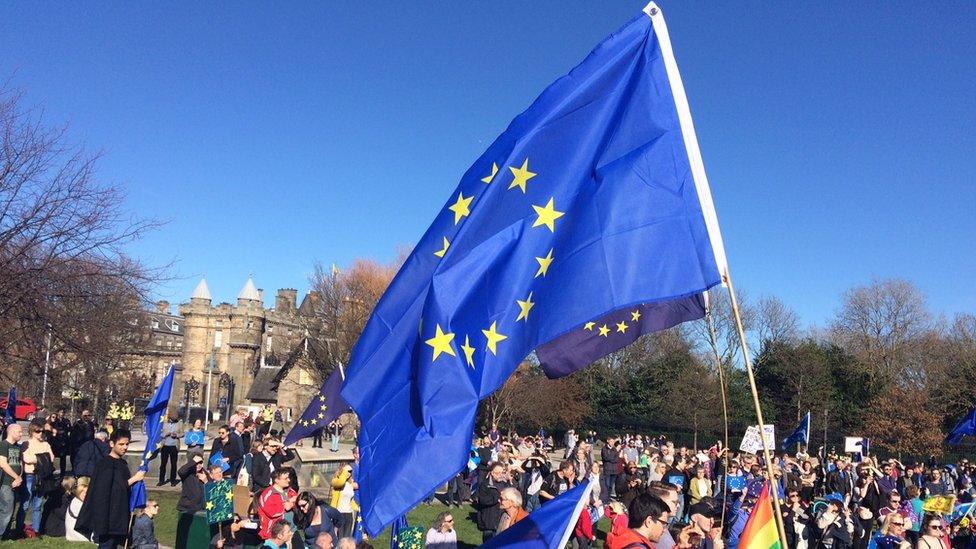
{"x": 966, "y": 426}
{"x": 549, "y": 526}
{"x": 593, "y": 201}
{"x": 155, "y": 417}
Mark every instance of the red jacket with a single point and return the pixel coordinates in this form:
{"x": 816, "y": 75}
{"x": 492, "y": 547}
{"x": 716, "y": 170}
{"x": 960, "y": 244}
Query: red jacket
{"x": 271, "y": 507}
{"x": 618, "y": 525}
{"x": 629, "y": 539}
{"x": 584, "y": 526}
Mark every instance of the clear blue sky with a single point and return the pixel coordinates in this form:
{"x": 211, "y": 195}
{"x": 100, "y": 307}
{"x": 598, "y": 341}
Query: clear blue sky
{"x": 838, "y": 138}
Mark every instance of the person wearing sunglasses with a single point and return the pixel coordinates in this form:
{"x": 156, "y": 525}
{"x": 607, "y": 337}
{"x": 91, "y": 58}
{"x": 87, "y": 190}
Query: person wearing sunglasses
{"x": 933, "y": 533}
{"x": 442, "y": 534}
{"x": 892, "y": 534}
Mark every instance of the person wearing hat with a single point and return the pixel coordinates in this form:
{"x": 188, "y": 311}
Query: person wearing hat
{"x": 703, "y": 515}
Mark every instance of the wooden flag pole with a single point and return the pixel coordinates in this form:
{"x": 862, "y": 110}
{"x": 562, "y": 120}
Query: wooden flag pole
{"x": 725, "y": 408}
{"x": 129, "y": 535}
{"x": 755, "y": 400}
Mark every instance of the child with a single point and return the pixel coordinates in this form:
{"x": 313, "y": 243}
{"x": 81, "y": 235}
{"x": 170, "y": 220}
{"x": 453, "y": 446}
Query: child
{"x": 143, "y": 530}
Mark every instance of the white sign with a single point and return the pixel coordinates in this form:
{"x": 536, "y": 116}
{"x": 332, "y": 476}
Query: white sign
{"x": 752, "y": 443}
{"x": 854, "y": 445}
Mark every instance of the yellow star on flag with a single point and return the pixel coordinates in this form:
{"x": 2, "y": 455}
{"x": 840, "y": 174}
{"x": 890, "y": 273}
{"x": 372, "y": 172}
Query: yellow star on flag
{"x": 321, "y": 415}
{"x": 461, "y": 207}
{"x": 522, "y": 176}
{"x": 313, "y": 421}
{"x": 494, "y": 170}
{"x": 622, "y": 327}
{"x": 442, "y": 251}
{"x": 210, "y": 506}
{"x": 322, "y": 398}
{"x": 230, "y": 496}
{"x": 305, "y": 423}
{"x": 589, "y": 326}
{"x": 544, "y": 263}
{"x": 468, "y": 352}
{"x": 441, "y": 343}
{"x": 635, "y": 316}
{"x": 604, "y": 331}
{"x": 547, "y": 215}
{"x": 525, "y": 307}
{"x": 493, "y": 338}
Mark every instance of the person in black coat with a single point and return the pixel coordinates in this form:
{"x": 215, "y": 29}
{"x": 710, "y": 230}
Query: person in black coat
{"x": 260, "y": 471}
{"x": 489, "y": 510}
{"x": 89, "y": 454}
{"x": 105, "y": 512}
{"x": 81, "y": 432}
{"x": 193, "y": 476}
{"x": 231, "y": 448}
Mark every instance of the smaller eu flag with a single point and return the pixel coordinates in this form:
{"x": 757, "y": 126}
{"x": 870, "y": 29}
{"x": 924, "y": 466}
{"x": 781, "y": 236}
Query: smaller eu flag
{"x": 965, "y": 427}
{"x": 549, "y": 525}
{"x": 325, "y": 408}
{"x": 12, "y": 405}
{"x": 155, "y": 416}
{"x": 218, "y": 459}
{"x": 801, "y": 434}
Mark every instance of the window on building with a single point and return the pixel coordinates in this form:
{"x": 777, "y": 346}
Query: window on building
{"x": 155, "y": 324}
{"x": 270, "y": 346}
{"x": 218, "y": 338}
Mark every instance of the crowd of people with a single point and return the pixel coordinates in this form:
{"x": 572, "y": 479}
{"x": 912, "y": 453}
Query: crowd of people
{"x": 649, "y": 492}
{"x": 71, "y": 480}
{"x": 657, "y": 495}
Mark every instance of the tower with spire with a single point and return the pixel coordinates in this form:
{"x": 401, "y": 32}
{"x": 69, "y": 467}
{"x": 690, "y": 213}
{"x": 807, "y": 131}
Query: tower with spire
{"x": 240, "y": 337}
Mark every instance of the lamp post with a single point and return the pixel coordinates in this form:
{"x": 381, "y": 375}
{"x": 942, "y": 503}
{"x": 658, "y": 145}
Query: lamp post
{"x": 190, "y": 388}
{"x": 210, "y": 369}
{"x": 47, "y": 365}
{"x": 224, "y": 382}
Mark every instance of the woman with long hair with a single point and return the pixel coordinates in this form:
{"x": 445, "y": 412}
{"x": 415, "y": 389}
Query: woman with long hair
{"x": 315, "y": 517}
{"x": 933, "y": 533}
{"x": 442, "y": 534}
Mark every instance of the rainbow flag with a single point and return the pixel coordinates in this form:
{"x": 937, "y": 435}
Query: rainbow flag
{"x": 760, "y": 531}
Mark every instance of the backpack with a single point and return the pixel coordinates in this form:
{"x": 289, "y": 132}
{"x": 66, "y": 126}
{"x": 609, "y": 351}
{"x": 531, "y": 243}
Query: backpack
{"x": 44, "y": 480}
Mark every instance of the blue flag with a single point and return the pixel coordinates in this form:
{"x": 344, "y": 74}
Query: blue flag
{"x": 218, "y": 459}
{"x": 11, "y": 410}
{"x": 548, "y": 526}
{"x": 594, "y": 200}
{"x": 325, "y": 408}
{"x": 801, "y": 434}
{"x": 155, "y": 417}
{"x": 965, "y": 427}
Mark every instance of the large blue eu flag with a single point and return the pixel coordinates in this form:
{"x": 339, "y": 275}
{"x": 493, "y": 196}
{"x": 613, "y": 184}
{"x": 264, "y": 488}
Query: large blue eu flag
{"x": 593, "y": 202}
{"x": 155, "y": 417}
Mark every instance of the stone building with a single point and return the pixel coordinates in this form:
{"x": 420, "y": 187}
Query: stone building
{"x": 240, "y": 342}
{"x": 155, "y": 342}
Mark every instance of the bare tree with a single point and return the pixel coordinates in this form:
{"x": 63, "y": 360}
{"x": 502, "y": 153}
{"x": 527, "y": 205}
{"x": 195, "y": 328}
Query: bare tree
{"x": 727, "y": 337}
{"x": 775, "y": 321}
{"x": 63, "y": 266}
{"x": 879, "y": 324}
{"x": 345, "y": 301}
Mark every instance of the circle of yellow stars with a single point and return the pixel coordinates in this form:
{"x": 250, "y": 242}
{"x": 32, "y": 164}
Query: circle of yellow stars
{"x": 546, "y": 216}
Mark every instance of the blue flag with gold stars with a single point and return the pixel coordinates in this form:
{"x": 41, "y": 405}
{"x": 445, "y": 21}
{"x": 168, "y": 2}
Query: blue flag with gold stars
{"x": 326, "y": 407}
{"x": 593, "y": 201}
{"x": 155, "y": 417}
{"x": 547, "y": 526}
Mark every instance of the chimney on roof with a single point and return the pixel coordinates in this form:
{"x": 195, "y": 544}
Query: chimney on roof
{"x": 162, "y": 306}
